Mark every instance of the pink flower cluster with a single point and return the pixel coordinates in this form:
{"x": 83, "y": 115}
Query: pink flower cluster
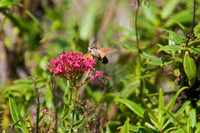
{"x": 47, "y": 124}
{"x": 71, "y": 65}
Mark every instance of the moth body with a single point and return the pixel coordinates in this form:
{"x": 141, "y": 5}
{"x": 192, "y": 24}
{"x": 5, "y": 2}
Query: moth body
{"x": 99, "y": 53}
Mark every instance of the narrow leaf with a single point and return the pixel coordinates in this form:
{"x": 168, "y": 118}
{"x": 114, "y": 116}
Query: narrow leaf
{"x": 126, "y": 126}
{"x": 133, "y": 106}
{"x": 160, "y": 105}
{"x": 193, "y": 118}
{"x": 172, "y": 103}
{"x": 190, "y": 68}
{"x": 13, "y": 108}
{"x": 171, "y": 48}
{"x": 169, "y": 8}
{"x": 147, "y": 117}
{"x": 133, "y": 128}
{"x": 16, "y": 114}
{"x": 108, "y": 129}
{"x": 9, "y": 2}
{"x": 89, "y": 21}
{"x": 196, "y": 50}
{"x": 174, "y": 118}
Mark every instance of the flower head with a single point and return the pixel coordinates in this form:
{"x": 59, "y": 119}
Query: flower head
{"x": 71, "y": 65}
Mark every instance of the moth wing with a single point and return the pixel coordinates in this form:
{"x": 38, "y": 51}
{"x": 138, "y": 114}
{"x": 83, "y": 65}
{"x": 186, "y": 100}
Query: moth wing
{"x": 101, "y": 54}
{"x": 88, "y": 55}
{"x": 103, "y": 51}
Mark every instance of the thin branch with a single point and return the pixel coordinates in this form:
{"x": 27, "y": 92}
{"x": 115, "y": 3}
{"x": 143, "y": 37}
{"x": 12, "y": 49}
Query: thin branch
{"x": 1, "y": 24}
{"x": 136, "y": 18}
{"x": 191, "y": 34}
{"x": 37, "y": 105}
{"x": 194, "y": 14}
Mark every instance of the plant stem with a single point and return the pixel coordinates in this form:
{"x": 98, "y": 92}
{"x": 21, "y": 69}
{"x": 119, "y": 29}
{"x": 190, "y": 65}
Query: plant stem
{"x": 37, "y": 105}
{"x": 74, "y": 89}
{"x": 69, "y": 104}
{"x": 72, "y": 122}
{"x": 139, "y": 71}
{"x": 136, "y": 16}
{"x": 191, "y": 34}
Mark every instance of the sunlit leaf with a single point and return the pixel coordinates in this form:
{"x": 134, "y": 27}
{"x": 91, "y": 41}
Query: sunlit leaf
{"x": 190, "y": 68}
{"x": 16, "y": 114}
{"x": 168, "y": 8}
{"x": 193, "y": 118}
{"x": 183, "y": 16}
{"x": 196, "y": 50}
{"x": 9, "y": 2}
{"x": 160, "y": 105}
{"x": 89, "y": 21}
{"x": 126, "y": 126}
{"x": 48, "y": 97}
{"x": 173, "y": 100}
{"x": 174, "y": 118}
{"x": 108, "y": 129}
{"x": 171, "y": 48}
{"x": 133, "y": 106}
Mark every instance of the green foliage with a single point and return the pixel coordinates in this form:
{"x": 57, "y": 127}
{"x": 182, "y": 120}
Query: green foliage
{"x": 190, "y": 68}
{"x": 16, "y": 114}
{"x": 149, "y": 87}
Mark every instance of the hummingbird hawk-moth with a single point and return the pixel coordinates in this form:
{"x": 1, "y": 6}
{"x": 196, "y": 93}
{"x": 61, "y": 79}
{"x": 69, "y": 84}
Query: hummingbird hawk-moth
{"x": 99, "y": 53}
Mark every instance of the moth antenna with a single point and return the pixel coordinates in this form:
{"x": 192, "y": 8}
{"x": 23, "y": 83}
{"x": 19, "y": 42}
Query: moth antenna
{"x": 94, "y": 42}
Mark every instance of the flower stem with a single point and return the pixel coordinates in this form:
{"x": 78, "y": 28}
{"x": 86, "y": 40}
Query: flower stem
{"x": 70, "y": 101}
{"x": 73, "y": 112}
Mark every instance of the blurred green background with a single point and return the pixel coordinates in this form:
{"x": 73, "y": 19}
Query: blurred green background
{"x": 34, "y": 31}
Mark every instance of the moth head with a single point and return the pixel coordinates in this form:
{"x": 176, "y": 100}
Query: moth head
{"x": 91, "y": 48}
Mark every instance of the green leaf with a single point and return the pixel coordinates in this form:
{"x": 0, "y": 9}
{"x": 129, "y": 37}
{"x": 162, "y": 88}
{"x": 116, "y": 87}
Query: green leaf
{"x": 174, "y": 37}
{"x": 194, "y": 43}
{"x": 197, "y": 130}
{"x": 133, "y": 128}
{"x": 16, "y": 114}
{"x": 179, "y": 23}
{"x": 172, "y": 42}
{"x": 197, "y": 31}
{"x": 63, "y": 84}
{"x": 160, "y": 105}
{"x": 150, "y": 113}
{"x": 48, "y": 97}
{"x": 195, "y": 50}
{"x": 174, "y": 118}
{"x": 133, "y": 106}
{"x": 193, "y": 118}
{"x": 147, "y": 117}
{"x": 13, "y": 108}
{"x": 168, "y": 8}
{"x": 178, "y": 113}
{"x": 190, "y": 68}
{"x": 126, "y": 126}
{"x": 150, "y": 86}
{"x": 129, "y": 47}
{"x": 182, "y": 17}
{"x": 150, "y": 128}
{"x": 178, "y": 131}
{"x": 149, "y": 56}
{"x": 182, "y": 109}
{"x": 89, "y": 21}
{"x": 149, "y": 14}
{"x": 172, "y": 102}
{"x": 108, "y": 129}
{"x": 171, "y": 48}
{"x": 9, "y": 2}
